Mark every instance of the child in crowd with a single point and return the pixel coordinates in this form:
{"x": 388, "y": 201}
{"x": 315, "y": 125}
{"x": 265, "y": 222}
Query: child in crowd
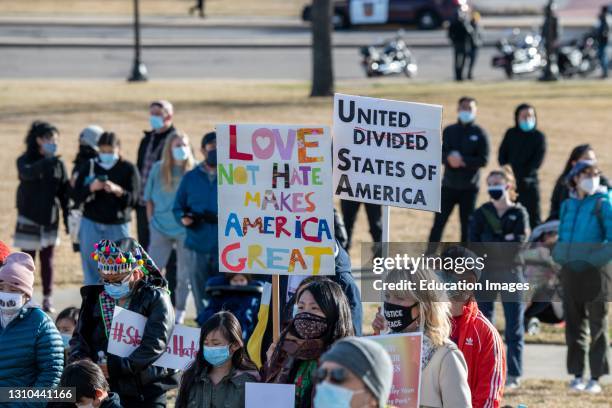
{"x": 221, "y": 369}
{"x": 237, "y": 293}
{"x": 92, "y": 389}
{"x": 66, "y": 322}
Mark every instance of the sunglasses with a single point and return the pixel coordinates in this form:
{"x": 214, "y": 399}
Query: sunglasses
{"x": 336, "y": 375}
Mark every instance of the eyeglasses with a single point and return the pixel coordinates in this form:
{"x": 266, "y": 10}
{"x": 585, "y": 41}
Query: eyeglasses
{"x": 336, "y": 375}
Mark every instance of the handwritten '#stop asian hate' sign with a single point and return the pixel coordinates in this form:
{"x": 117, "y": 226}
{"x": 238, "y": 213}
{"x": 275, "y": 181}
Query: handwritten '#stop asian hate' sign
{"x": 275, "y": 199}
{"x": 126, "y": 334}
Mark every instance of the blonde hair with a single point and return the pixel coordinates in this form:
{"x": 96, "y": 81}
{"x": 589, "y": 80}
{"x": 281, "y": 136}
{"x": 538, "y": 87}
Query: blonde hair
{"x": 167, "y": 160}
{"x": 434, "y": 309}
{"x": 508, "y": 175}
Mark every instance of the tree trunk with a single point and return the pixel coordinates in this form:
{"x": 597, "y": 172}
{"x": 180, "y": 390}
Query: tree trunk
{"x": 322, "y": 66}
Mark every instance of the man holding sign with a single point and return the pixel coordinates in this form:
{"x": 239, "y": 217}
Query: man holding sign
{"x": 131, "y": 281}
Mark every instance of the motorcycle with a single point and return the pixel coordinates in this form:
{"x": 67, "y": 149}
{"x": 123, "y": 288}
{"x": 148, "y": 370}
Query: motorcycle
{"x": 390, "y": 58}
{"x": 520, "y": 54}
{"x": 579, "y": 57}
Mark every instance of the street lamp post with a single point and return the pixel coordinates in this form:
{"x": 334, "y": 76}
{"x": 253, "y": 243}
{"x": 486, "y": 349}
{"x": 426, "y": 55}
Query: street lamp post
{"x": 139, "y": 70}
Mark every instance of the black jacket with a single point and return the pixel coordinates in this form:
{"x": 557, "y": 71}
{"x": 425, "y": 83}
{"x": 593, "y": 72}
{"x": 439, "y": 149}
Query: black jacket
{"x": 524, "y": 152}
{"x": 513, "y": 225}
{"x": 43, "y": 189}
{"x": 132, "y": 376}
{"x": 473, "y": 144}
{"x": 157, "y": 141}
{"x": 112, "y": 401}
{"x": 460, "y": 33}
{"x": 103, "y": 207}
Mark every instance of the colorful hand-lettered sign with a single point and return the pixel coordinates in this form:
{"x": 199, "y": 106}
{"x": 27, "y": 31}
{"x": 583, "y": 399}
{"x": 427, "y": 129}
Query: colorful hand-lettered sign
{"x": 275, "y": 199}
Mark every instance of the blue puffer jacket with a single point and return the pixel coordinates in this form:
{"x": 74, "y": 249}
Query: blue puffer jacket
{"x": 31, "y": 353}
{"x": 583, "y": 234}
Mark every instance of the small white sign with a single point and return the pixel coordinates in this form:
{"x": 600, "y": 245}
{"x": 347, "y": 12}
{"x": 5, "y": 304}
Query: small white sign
{"x": 260, "y": 395}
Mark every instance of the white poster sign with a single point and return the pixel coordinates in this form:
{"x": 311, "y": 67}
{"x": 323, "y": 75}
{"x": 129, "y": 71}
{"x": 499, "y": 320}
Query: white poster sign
{"x": 261, "y": 395}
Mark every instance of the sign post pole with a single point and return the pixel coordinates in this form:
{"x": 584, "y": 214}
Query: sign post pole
{"x": 275, "y": 308}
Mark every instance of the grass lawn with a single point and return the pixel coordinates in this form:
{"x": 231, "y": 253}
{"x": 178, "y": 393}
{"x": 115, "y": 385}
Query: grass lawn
{"x": 283, "y": 8}
{"x": 569, "y": 113}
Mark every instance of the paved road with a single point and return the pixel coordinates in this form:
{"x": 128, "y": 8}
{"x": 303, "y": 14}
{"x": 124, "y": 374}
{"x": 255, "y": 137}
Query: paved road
{"x": 540, "y": 361}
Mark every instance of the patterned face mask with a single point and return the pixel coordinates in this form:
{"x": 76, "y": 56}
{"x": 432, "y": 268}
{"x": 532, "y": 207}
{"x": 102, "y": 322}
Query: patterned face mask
{"x": 309, "y": 326}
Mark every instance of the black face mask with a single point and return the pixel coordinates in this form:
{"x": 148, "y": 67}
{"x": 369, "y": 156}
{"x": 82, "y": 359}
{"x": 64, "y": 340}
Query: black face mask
{"x": 495, "y": 194}
{"x": 398, "y": 317}
{"x": 211, "y": 158}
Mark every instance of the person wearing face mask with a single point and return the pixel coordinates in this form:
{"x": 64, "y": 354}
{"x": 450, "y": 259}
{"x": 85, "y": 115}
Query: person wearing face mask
{"x": 91, "y": 388}
{"x": 31, "y": 352}
{"x": 66, "y": 322}
{"x": 323, "y": 318}
{"x": 161, "y": 114}
{"x": 217, "y": 376}
{"x": 444, "y": 376}
{"x": 43, "y": 191}
{"x": 584, "y": 252}
{"x": 562, "y": 190}
{"x": 107, "y": 191}
{"x": 195, "y": 207}
{"x": 132, "y": 281}
{"x": 354, "y": 373}
{"x": 504, "y": 225}
{"x": 524, "y": 148}
{"x": 478, "y": 340}
{"x": 166, "y": 234}
{"x": 465, "y": 150}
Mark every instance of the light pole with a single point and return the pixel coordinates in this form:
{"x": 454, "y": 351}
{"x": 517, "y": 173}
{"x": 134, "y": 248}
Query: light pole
{"x": 139, "y": 70}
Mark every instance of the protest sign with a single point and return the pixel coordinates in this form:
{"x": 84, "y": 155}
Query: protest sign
{"x": 405, "y": 352}
{"x": 387, "y": 152}
{"x": 275, "y": 199}
{"x": 258, "y": 395}
{"x": 126, "y": 333}
{"x": 369, "y": 11}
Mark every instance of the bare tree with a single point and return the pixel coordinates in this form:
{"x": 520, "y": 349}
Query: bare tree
{"x": 322, "y": 64}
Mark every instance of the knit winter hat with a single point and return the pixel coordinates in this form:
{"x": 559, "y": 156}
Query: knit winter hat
{"x": 90, "y": 136}
{"x": 18, "y": 271}
{"x": 165, "y": 105}
{"x": 368, "y": 361}
{"x": 4, "y": 252}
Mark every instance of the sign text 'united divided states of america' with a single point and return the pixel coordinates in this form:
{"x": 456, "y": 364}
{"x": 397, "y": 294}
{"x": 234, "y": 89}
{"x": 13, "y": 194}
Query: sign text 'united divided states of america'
{"x": 387, "y": 152}
{"x": 275, "y": 199}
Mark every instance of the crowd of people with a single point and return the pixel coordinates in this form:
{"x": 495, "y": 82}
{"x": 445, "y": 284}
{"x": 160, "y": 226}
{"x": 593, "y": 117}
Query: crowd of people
{"x": 321, "y": 348}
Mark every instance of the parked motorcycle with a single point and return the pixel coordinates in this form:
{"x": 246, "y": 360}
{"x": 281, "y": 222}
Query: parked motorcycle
{"x": 390, "y": 58}
{"x": 579, "y": 57}
{"x": 521, "y": 53}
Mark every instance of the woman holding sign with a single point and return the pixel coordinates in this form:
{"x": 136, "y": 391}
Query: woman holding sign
{"x": 132, "y": 282}
{"x": 323, "y": 317}
{"x": 443, "y": 368}
{"x": 221, "y": 369}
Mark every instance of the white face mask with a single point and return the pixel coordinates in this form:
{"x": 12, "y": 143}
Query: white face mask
{"x": 10, "y": 302}
{"x": 589, "y": 185}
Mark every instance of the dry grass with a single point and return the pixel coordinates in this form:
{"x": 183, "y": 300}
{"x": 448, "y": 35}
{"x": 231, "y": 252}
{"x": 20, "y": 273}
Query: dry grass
{"x": 289, "y": 8}
{"x": 570, "y": 113}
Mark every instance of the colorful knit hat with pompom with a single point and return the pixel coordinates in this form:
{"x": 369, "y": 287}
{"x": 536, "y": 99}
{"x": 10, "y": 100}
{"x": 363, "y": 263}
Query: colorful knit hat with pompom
{"x": 121, "y": 257}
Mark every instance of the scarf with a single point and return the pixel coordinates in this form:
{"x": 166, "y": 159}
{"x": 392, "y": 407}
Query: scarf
{"x": 427, "y": 351}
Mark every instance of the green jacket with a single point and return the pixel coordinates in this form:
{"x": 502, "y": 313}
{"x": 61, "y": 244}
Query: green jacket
{"x": 229, "y": 393}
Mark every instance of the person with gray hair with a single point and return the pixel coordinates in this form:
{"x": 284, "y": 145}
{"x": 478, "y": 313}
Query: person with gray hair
{"x": 354, "y": 372}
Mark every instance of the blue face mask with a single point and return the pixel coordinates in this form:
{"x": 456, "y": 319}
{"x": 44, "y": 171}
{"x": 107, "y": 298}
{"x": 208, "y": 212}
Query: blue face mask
{"x": 211, "y": 158}
{"x": 66, "y": 339}
{"x": 527, "y": 125}
{"x": 49, "y": 148}
{"x": 117, "y": 291}
{"x": 216, "y": 356}
{"x": 108, "y": 158}
{"x": 157, "y": 122}
{"x": 329, "y": 395}
{"x": 466, "y": 117}
{"x": 180, "y": 153}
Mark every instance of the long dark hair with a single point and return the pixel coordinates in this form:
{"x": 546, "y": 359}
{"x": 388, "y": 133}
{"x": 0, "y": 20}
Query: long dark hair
{"x": 38, "y": 129}
{"x": 229, "y": 326}
{"x": 574, "y": 156}
{"x": 518, "y": 110}
{"x": 334, "y": 305}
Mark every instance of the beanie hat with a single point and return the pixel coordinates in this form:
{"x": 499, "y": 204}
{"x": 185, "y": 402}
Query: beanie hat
{"x": 209, "y": 138}
{"x": 578, "y": 168}
{"x": 4, "y": 252}
{"x": 368, "y": 361}
{"x": 121, "y": 257}
{"x": 18, "y": 271}
{"x": 165, "y": 105}
{"x": 90, "y": 136}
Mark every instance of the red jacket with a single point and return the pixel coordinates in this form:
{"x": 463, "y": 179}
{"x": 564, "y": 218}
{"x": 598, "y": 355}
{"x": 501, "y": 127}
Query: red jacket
{"x": 485, "y": 355}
